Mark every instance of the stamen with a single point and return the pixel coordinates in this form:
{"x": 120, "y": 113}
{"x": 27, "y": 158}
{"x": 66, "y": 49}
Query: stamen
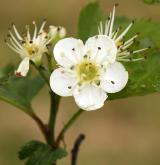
{"x": 16, "y": 32}
{"x": 112, "y": 22}
{"x": 28, "y": 32}
{"x": 35, "y": 30}
{"x": 116, "y": 33}
{"x": 133, "y": 60}
{"x": 124, "y": 32}
{"x": 14, "y": 39}
{"x": 100, "y": 28}
{"x": 12, "y": 47}
{"x": 131, "y": 39}
{"x": 42, "y": 26}
{"x": 107, "y": 25}
{"x": 140, "y": 50}
{"x": 123, "y": 47}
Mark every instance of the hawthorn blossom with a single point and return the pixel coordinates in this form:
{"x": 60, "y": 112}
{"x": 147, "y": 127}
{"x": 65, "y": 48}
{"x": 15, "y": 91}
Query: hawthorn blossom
{"x": 123, "y": 52}
{"x": 32, "y": 48}
{"x": 87, "y": 72}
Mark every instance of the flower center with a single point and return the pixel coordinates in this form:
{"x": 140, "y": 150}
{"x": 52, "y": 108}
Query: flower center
{"x": 31, "y": 48}
{"x": 87, "y": 71}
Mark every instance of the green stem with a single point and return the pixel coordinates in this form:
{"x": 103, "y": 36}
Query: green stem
{"x": 67, "y": 126}
{"x": 51, "y": 62}
{"x": 50, "y": 65}
{"x": 42, "y": 73}
{"x": 53, "y": 115}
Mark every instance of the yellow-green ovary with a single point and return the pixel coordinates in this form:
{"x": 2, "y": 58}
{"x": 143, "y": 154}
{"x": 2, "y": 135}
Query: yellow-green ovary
{"x": 87, "y": 71}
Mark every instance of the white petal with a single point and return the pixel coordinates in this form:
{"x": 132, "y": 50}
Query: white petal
{"x": 89, "y": 97}
{"x": 62, "y": 32}
{"x": 23, "y": 67}
{"x": 115, "y": 78}
{"x": 62, "y": 82}
{"x": 68, "y": 51}
{"x": 52, "y": 31}
{"x": 101, "y": 48}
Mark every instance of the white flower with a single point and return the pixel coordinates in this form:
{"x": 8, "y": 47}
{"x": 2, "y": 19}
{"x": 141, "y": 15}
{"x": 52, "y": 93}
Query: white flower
{"x": 87, "y": 72}
{"x": 29, "y": 47}
{"x": 123, "y": 54}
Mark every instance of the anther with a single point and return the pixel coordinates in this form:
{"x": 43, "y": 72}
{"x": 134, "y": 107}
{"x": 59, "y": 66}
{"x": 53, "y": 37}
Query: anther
{"x": 58, "y": 28}
{"x": 112, "y": 82}
{"x": 145, "y": 57}
{"x": 72, "y": 67}
{"x": 8, "y": 35}
{"x": 12, "y": 24}
{"x": 133, "y": 21}
{"x": 23, "y": 42}
{"x": 138, "y": 33}
{"x": 99, "y": 48}
{"x": 116, "y": 4}
{"x": 44, "y": 20}
{"x": 73, "y": 49}
{"x": 85, "y": 56}
{"x": 69, "y": 87}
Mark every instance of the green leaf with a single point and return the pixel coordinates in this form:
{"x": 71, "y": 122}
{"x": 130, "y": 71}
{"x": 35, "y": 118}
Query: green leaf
{"x": 144, "y": 76}
{"x": 89, "y": 20}
{"x": 151, "y": 2}
{"x": 38, "y": 153}
{"x": 19, "y": 91}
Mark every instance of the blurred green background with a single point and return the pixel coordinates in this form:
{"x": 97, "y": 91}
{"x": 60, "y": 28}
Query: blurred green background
{"x": 124, "y": 132}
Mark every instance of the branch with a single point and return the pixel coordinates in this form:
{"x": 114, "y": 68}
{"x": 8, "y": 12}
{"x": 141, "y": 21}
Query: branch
{"x": 67, "y": 126}
{"x": 41, "y": 125}
{"x": 75, "y": 150}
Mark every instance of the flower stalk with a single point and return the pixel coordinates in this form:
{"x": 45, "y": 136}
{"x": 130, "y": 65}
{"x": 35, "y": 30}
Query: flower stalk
{"x": 55, "y": 99}
{"x": 67, "y": 126}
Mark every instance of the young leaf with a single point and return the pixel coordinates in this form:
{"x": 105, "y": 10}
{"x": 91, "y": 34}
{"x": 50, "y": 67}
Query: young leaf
{"x": 144, "y": 76}
{"x": 38, "y": 153}
{"x": 88, "y": 21}
{"x": 19, "y": 91}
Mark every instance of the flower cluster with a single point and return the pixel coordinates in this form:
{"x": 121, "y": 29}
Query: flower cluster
{"x": 32, "y": 47}
{"x": 87, "y": 71}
